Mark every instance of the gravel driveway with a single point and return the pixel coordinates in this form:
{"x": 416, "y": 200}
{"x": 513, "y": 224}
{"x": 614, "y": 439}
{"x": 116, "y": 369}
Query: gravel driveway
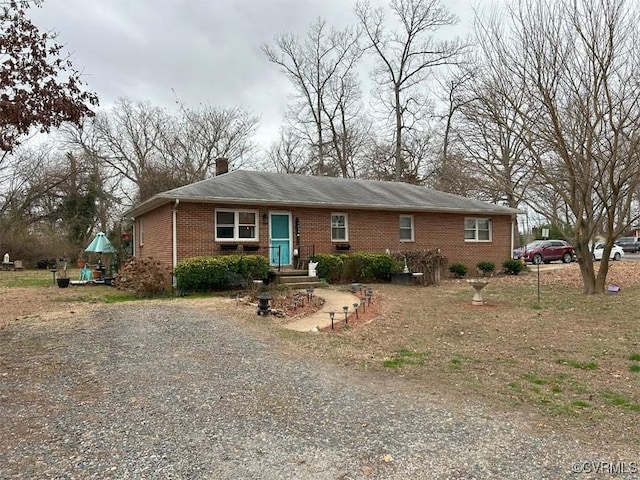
{"x": 164, "y": 391}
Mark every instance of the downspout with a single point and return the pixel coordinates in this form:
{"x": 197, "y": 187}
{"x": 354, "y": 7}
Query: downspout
{"x": 174, "y": 240}
{"x": 134, "y": 236}
{"x": 514, "y": 226}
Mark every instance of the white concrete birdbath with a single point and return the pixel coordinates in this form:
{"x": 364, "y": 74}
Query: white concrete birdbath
{"x": 478, "y": 285}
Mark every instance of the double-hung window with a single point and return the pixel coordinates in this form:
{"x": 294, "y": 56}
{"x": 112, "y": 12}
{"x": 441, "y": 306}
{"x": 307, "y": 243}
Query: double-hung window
{"x": 406, "y": 228}
{"x": 236, "y": 224}
{"x": 477, "y": 230}
{"x": 339, "y": 227}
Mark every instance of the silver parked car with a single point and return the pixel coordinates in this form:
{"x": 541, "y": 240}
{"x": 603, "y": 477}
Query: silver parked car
{"x": 629, "y": 244}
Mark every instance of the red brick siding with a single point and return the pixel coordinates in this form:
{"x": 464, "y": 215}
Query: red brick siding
{"x": 367, "y": 231}
{"x": 378, "y": 231}
{"x": 157, "y": 235}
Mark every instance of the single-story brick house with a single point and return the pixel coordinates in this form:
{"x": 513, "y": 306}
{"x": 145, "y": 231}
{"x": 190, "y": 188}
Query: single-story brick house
{"x": 287, "y": 216}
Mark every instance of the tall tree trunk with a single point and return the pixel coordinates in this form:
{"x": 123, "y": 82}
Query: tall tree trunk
{"x": 398, "y": 146}
{"x": 585, "y": 261}
{"x": 320, "y": 128}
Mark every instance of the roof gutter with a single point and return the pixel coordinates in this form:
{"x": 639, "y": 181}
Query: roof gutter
{"x": 514, "y": 232}
{"x": 159, "y": 200}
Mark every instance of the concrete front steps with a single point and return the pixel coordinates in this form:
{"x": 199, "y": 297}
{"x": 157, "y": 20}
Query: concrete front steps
{"x": 296, "y": 279}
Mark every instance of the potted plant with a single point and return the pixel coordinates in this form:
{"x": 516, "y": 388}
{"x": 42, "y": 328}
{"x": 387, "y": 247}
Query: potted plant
{"x": 63, "y": 277}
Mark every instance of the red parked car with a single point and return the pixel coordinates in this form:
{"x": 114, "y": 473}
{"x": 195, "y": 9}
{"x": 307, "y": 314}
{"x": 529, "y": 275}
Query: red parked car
{"x": 546, "y": 251}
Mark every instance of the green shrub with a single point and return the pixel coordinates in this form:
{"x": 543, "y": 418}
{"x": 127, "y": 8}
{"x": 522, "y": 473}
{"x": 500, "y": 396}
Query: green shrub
{"x": 458, "y": 269}
{"x": 144, "y": 277}
{"x": 513, "y": 267}
{"x": 486, "y": 267}
{"x": 368, "y": 266}
{"x": 220, "y": 272}
{"x": 361, "y": 266}
{"x": 330, "y": 267}
{"x": 249, "y": 267}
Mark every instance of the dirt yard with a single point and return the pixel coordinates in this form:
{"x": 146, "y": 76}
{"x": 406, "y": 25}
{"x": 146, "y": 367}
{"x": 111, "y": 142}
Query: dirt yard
{"x": 44, "y": 302}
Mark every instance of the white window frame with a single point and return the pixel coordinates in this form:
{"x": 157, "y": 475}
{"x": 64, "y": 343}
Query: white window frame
{"x": 346, "y": 227}
{"x": 401, "y": 228}
{"x": 236, "y": 225}
{"x": 141, "y": 232}
{"x": 476, "y": 230}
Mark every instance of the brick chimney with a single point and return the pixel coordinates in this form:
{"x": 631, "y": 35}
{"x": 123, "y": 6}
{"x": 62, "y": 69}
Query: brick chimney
{"x": 222, "y": 166}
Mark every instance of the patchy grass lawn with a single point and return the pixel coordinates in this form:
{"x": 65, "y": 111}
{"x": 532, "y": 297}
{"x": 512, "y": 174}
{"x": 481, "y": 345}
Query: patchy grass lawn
{"x": 30, "y": 293}
{"x": 570, "y": 358}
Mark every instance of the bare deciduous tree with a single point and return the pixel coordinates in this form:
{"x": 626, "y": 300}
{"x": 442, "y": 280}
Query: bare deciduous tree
{"x": 489, "y": 134}
{"x": 54, "y": 196}
{"x": 200, "y": 136}
{"x": 314, "y": 66}
{"x": 127, "y": 138}
{"x": 290, "y": 154}
{"x": 577, "y": 64}
{"x": 348, "y": 129}
{"x": 152, "y": 150}
{"x": 406, "y": 58}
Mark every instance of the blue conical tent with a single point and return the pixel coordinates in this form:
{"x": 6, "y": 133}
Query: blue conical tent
{"x": 100, "y": 244}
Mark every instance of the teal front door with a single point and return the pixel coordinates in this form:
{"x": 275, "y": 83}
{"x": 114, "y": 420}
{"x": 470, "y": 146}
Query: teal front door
{"x": 280, "y": 239}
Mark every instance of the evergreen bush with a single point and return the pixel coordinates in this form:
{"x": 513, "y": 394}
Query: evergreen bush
{"x": 486, "y": 267}
{"x": 373, "y": 266}
{"x": 356, "y": 267}
{"x": 513, "y": 267}
{"x": 220, "y": 272}
{"x": 330, "y": 267}
{"x": 458, "y": 269}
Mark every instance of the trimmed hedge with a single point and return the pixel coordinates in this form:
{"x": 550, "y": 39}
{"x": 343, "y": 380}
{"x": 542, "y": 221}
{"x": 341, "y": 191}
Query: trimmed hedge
{"x": 361, "y": 266}
{"x": 220, "y": 272}
{"x": 330, "y": 267}
{"x": 373, "y": 266}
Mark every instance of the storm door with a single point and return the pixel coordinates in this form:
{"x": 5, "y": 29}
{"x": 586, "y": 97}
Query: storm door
{"x": 280, "y": 238}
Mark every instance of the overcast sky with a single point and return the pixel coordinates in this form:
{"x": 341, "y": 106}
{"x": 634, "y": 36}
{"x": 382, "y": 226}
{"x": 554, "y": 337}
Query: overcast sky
{"x": 197, "y": 51}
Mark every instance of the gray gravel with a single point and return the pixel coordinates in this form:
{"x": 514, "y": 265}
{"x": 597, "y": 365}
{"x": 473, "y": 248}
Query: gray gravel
{"x": 157, "y": 391}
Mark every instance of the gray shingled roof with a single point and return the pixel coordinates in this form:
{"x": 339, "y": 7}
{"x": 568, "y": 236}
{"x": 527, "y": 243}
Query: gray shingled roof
{"x": 257, "y": 188}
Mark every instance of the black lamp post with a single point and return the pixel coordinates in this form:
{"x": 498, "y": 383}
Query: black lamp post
{"x": 369, "y": 295}
{"x": 263, "y": 305}
{"x": 355, "y": 307}
{"x": 345, "y": 309}
{"x": 331, "y": 315}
